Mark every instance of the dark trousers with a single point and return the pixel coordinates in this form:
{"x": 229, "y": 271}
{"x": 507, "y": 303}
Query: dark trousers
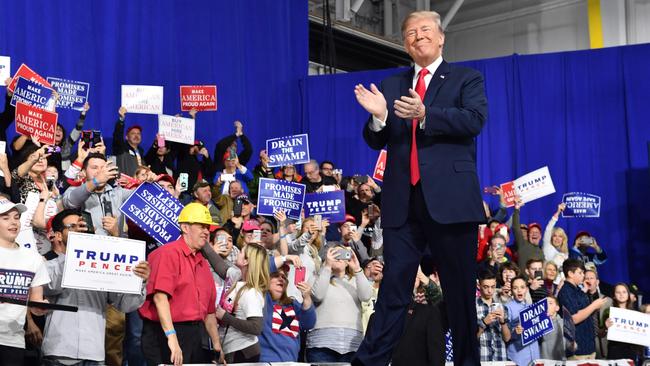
{"x": 453, "y": 251}
{"x": 156, "y": 350}
{"x": 11, "y": 356}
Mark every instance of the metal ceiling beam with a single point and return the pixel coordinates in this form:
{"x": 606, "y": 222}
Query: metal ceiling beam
{"x": 452, "y": 13}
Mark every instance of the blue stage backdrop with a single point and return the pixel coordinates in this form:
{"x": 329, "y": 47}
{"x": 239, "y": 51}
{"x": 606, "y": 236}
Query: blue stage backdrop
{"x": 581, "y": 113}
{"x": 255, "y": 51}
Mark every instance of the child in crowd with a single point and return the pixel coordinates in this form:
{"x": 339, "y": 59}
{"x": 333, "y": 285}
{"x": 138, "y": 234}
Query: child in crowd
{"x": 552, "y": 344}
{"x": 517, "y": 352}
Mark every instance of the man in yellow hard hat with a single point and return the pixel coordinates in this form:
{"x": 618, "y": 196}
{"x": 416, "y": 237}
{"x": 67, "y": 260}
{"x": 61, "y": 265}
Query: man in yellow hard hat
{"x": 181, "y": 294}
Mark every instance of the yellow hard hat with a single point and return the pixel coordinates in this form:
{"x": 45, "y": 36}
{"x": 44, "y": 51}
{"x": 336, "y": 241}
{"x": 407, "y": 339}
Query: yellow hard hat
{"x": 196, "y": 213}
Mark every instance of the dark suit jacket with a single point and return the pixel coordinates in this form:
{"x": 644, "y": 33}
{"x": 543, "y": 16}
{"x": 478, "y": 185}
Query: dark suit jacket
{"x": 456, "y": 109}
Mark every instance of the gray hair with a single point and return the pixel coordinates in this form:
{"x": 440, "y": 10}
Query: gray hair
{"x": 314, "y": 163}
{"x": 435, "y": 17}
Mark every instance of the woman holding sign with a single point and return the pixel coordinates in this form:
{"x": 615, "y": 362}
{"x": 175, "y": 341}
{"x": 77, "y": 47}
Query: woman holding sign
{"x": 619, "y": 350}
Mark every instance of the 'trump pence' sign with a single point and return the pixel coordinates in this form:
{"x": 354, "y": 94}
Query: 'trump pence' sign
{"x": 176, "y": 129}
{"x": 529, "y": 187}
{"x": 330, "y": 205}
{"x": 72, "y": 94}
{"x": 36, "y": 122}
{"x": 288, "y": 150}
{"x": 155, "y": 211}
{"x": 102, "y": 263}
{"x": 280, "y": 195}
{"x": 629, "y": 326}
{"x": 145, "y": 99}
{"x": 535, "y": 321}
{"x": 199, "y": 97}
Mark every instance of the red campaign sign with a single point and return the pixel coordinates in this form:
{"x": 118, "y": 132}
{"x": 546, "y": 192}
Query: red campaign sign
{"x": 199, "y": 97}
{"x": 36, "y": 122}
{"x": 380, "y": 166}
{"x": 29, "y": 74}
{"x": 508, "y": 190}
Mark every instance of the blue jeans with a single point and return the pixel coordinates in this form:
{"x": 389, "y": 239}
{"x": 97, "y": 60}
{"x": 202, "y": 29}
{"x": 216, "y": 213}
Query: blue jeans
{"x": 132, "y": 341}
{"x": 327, "y": 355}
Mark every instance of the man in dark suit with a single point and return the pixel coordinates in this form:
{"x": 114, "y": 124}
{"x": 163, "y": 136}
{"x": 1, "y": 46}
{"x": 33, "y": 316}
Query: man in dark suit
{"x": 432, "y": 200}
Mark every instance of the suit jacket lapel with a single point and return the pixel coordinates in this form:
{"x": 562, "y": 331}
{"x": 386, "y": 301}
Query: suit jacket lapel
{"x": 436, "y": 82}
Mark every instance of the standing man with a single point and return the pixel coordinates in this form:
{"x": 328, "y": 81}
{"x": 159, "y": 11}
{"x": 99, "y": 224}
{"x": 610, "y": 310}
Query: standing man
{"x": 428, "y": 118}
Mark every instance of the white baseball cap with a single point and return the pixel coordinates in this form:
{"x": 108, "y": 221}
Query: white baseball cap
{"x": 6, "y": 206}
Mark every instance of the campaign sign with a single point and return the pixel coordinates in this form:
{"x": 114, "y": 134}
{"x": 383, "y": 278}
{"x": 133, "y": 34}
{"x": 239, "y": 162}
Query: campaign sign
{"x": 32, "y": 93}
{"x": 380, "y": 166}
{"x": 145, "y": 99}
{"x": 72, "y": 94}
{"x": 288, "y": 150}
{"x": 102, "y": 263}
{"x": 579, "y": 204}
{"x": 534, "y": 185}
{"x": 176, "y": 129}
{"x": 15, "y": 284}
{"x": 330, "y": 205}
{"x": 5, "y": 69}
{"x": 508, "y": 191}
{"x": 36, "y": 122}
{"x": 276, "y": 195}
{"x": 155, "y": 211}
{"x": 25, "y": 72}
{"x": 629, "y": 326}
{"x": 535, "y": 321}
{"x": 199, "y": 97}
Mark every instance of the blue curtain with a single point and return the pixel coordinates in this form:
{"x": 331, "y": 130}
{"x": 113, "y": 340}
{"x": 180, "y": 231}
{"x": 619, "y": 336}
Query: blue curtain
{"x": 581, "y": 113}
{"x": 255, "y": 51}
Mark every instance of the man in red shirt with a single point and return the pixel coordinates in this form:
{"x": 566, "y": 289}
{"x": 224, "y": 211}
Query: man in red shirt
{"x": 180, "y": 295}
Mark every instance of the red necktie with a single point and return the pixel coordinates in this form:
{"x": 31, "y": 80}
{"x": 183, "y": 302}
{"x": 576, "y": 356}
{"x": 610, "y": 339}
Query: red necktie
{"x": 420, "y": 88}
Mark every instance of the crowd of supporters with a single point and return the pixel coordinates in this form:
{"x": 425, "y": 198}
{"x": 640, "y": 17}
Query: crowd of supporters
{"x": 242, "y": 287}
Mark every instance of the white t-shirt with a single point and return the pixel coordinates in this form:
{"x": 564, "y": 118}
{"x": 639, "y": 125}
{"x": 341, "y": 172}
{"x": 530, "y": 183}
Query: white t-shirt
{"x": 250, "y": 304}
{"x": 20, "y": 269}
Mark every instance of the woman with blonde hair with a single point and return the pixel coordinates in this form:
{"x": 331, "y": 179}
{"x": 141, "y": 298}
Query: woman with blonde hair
{"x": 339, "y": 290}
{"x": 555, "y": 241}
{"x": 242, "y": 311}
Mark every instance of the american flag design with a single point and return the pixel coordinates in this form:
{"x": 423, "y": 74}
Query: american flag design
{"x": 285, "y": 321}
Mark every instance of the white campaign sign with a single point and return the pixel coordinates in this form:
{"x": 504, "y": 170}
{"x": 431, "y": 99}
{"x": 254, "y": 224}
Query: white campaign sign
{"x": 144, "y": 99}
{"x": 5, "y": 69}
{"x": 102, "y": 263}
{"x": 629, "y": 326}
{"x": 176, "y": 129}
{"x": 534, "y": 185}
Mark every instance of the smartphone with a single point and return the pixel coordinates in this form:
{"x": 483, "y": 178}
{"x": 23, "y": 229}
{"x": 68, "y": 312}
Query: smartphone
{"x": 495, "y": 306}
{"x": 343, "y": 254}
{"x": 337, "y": 172}
{"x": 161, "y": 141}
{"x": 85, "y": 137}
{"x": 353, "y": 228}
{"x": 361, "y": 179}
{"x": 329, "y": 188}
{"x": 503, "y": 231}
{"x": 300, "y": 275}
{"x": 236, "y": 210}
{"x": 257, "y": 236}
{"x": 222, "y": 241}
{"x": 539, "y": 274}
{"x": 227, "y": 177}
{"x": 49, "y": 181}
{"x": 97, "y": 137}
{"x": 108, "y": 207}
{"x": 318, "y": 220}
{"x": 587, "y": 240}
{"x": 371, "y": 210}
{"x": 183, "y": 181}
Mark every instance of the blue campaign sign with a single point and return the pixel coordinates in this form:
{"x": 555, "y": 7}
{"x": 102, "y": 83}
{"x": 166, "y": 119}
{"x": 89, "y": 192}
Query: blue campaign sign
{"x": 72, "y": 94}
{"x": 580, "y": 204}
{"x": 535, "y": 321}
{"x": 330, "y": 205}
{"x": 31, "y": 93}
{"x": 288, "y": 150}
{"x": 276, "y": 195}
{"x": 155, "y": 211}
